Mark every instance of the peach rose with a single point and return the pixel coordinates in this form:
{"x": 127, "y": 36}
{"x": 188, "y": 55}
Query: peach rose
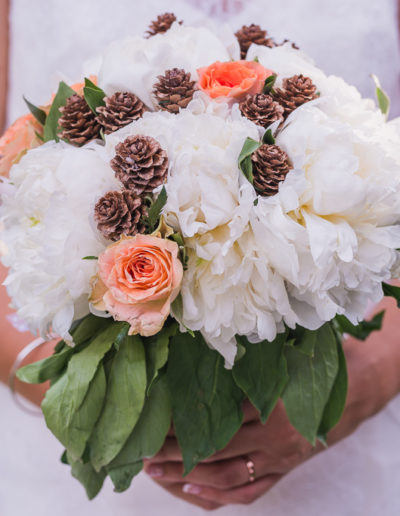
{"x": 19, "y": 138}
{"x": 138, "y": 278}
{"x": 21, "y": 135}
{"x": 233, "y": 79}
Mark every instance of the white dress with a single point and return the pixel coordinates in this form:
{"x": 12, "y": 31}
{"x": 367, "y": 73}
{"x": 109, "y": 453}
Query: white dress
{"x": 358, "y": 476}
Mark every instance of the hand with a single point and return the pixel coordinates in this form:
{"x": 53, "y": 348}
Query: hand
{"x": 275, "y": 448}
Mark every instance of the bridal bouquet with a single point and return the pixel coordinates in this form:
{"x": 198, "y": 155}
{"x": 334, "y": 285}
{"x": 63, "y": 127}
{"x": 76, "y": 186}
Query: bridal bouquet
{"x": 200, "y": 223}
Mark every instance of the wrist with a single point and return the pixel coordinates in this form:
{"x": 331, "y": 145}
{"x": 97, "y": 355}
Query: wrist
{"x": 373, "y": 371}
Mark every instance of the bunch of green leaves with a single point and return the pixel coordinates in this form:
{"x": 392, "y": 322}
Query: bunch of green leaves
{"x": 112, "y": 396}
{"x": 93, "y": 95}
{"x": 107, "y": 403}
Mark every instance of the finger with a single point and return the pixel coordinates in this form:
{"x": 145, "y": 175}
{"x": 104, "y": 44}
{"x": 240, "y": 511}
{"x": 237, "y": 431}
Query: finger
{"x": 221, "y": 475}
{"x": 249, "y": 412}
{"x": 176, "y": 490}
{"x": 243, "y": 495}
{"x": 245, "y": 442}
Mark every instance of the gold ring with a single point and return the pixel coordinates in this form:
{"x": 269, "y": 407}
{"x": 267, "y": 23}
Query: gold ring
{"x": 250, "y": 469}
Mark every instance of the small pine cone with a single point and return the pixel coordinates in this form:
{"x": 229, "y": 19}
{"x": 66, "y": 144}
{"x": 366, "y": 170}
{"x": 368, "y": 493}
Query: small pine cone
{"x": 78, "y": 122}
{"x": 270, "y": 166}
{"x": 174, "y": 90}
{"x": 120, "y": 213}
{"x": 162, "y": 24}
{"x": 261, "y": 109}
{"x": 121, "y": 109}
{"x": 140, "y": 164}
{"x": 249, "y": 34}
{"x": 297, "y": 90}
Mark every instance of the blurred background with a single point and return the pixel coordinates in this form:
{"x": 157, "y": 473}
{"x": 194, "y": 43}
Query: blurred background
{"x": 43, "y": 41}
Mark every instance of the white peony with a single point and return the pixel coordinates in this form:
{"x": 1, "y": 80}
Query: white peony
{"x": 332, "y": 230}
{"x": 203, "y": 150}
{"x": 321, "y": 246}
{"x": 48, "y": 215}
{"x": 133, "y": 64}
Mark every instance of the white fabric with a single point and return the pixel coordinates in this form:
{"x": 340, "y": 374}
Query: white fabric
{"x": 352, "y": 38}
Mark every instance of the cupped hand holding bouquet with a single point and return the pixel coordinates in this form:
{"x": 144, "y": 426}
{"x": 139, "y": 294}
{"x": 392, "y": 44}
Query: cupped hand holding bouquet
{"x": 200, "y": 225}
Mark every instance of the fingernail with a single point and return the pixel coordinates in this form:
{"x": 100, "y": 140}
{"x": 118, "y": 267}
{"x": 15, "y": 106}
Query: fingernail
{"x": 155, "y": 471}
{"x": 191, "y": 489}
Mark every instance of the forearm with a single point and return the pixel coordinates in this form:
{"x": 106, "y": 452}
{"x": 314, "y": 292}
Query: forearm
{"x": 373, "y": 370}
{"x": 12, "y": 342}
{"x": 4, "y": 4}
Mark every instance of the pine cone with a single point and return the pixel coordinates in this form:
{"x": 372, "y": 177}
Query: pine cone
{"x": 261, "y": 109}
{"x": 297, "y": 90}
{"x": 270, "y": 166}
{"x": 140, "y": 164}
{"x": 162, "y": 24}
{"x": 120, "y": 213}
{"x": 174, "y": 90}
{"x": 78, "y": 122}
{"x": 121, "y": 109}
{"x": 249, "y": 34}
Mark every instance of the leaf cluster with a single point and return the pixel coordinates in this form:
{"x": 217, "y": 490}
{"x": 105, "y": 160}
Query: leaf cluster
{"x": 113, "y": 396}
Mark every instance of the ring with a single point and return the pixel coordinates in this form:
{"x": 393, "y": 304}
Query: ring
{"x": 250, "y": 469}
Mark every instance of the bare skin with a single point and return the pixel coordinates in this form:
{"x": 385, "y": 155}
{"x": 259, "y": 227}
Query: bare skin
{"x": 4, "y": 7}
{"x": 374, "y": 376}
{"x": 12, "y": 342}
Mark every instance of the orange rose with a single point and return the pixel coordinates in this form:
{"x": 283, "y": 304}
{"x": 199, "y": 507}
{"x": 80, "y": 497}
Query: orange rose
{"x": 21, "y": 135}
{"x": 233, "y": 79}
{"x": 138, "y": 279}
{"x": 19, "y": 138}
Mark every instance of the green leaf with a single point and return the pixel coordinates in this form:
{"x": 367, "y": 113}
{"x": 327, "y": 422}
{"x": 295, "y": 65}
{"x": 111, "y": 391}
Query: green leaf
{"x": 337, "y": 400}
{"x": 74, "y": 431}
{"x": 311, "y": 379}
{"x": 123, "y": 475}
{"x": 206, "y": 402}
{"x": 90, "y": 258}
{"x": 156, "y": 208}
{"x": 147, "y": 437}
{"x": 268, "y": 138}
{"x": 83, "y": 365}
{"x": 38, "y": 113}
{"x": 74, "y": 401}
{"x": 269, "y": 84}
{"x": 177, "y": 237}
{"x": 392, "y": 291}
{"x": 39, "y": 136}
{"x": 177, "y": 311}
{"x": 93, "y": 95}
{"x": 307, "y": 342}
{"x": 362, "y": 330}
{"x": 90, "y": 326}
{"x": 262, "y": 373}
{"x": 64, "y": 458}
{"x": 91, "y": 480}
{"x": 51, "y": 125}
{"x": 157, "y": 352}
{"x": 123, "y": 404}
{"x": 45, "y": 369}
{"x": 245, "y": 163}
{"x": 382, "y": 97}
